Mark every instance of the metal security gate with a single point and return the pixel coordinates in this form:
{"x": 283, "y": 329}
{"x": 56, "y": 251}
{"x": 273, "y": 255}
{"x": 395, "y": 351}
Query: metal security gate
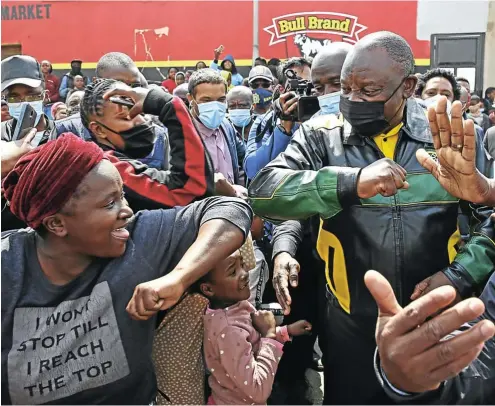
{"x": 463, "y": 54}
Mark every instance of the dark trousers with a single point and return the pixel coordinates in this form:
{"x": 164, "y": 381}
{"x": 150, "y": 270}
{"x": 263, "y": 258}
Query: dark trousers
{"x": 348, "y": 346}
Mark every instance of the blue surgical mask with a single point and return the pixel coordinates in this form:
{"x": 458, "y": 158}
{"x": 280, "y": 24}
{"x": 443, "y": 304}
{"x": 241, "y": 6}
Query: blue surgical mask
{"x": 240, "y": 117}
{"x": 15, "y": 109}
{"x": 329, "y": 103}
{"x": 212, "y": 114}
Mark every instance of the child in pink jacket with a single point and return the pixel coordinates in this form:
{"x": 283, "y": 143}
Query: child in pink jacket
{"x": 242, "y": 346}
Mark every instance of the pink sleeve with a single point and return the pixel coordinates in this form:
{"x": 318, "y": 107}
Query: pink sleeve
{"x": 252, "y": 373}
{"x": 283, "y": 334}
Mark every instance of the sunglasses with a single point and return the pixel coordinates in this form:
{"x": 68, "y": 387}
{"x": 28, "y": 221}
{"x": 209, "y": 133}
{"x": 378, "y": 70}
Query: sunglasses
{"x": 260, "y": 83}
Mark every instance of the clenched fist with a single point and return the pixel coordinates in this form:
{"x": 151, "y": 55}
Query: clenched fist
{"x": 382, "y": 177}
{"x": 153, "y": 296}
{"x": 264, "y": 323}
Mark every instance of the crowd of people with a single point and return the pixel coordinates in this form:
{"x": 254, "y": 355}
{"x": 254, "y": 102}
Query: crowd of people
{"x": 142, "y": 224}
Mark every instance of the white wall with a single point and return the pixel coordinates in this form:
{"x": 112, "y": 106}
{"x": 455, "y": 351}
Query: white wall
{"x": 451, "y": 17}
{"x": 489, "y": 71}
{"x": 457, "y": 17}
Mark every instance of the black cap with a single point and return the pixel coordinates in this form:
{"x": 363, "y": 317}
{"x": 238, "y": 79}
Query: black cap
{"x": 76, "y": 60}
{"x": 21, "y": 69}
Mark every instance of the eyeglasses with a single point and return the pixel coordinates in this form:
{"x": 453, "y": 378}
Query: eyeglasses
{"x": 28, "y": 98}
{"x": 135, "y": 84}
{"x": 260, "y": 83}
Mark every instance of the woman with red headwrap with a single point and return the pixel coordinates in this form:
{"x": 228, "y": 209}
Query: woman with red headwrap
{"x": 66, "y": 281}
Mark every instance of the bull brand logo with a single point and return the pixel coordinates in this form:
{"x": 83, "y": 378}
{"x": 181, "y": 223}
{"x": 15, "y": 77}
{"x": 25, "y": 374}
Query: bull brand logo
{"x": 300, "y": 24}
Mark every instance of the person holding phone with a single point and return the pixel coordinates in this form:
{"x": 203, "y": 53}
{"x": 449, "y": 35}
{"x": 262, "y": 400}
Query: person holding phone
{"x": 114, "y": 115}
{"x": 22, "y": 82}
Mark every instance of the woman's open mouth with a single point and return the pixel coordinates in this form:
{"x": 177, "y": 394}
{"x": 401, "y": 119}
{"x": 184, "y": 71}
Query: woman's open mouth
{"x": 121, "y": 234}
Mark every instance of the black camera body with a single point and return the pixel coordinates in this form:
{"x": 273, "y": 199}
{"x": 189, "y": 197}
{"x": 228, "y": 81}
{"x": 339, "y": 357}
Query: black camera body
{"x": 307, "y": 105}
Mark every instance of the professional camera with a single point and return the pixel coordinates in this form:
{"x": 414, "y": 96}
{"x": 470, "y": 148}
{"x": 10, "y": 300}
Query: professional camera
{"x": 307, "y": 105}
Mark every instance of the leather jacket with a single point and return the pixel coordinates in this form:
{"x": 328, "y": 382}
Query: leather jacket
{"x": 407, "y": 237}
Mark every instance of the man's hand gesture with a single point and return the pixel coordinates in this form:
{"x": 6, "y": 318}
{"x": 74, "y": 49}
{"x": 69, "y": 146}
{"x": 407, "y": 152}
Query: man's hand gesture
{"x": 455, "y": 144}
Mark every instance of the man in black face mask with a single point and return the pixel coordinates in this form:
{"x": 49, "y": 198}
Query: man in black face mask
{"x": 380, "y": 209}
{"x": 67, "y": 83}
{"x": 128, "y": 136}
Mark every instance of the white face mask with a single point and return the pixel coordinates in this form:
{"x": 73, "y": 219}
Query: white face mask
{"x": 432, "y": 101}
{"x": 15, "y": 109}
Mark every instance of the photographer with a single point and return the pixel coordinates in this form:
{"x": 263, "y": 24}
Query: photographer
{"x": 270, "y": 134}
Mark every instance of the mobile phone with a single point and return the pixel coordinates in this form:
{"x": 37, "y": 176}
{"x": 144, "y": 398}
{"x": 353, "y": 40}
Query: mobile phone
{"x": 27, "y": 120}
{"x": 37, "y": 138}
{"x": 122, "y": 102}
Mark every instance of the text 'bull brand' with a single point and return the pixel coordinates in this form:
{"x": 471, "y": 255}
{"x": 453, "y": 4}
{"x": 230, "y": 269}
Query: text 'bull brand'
{"x": 315, "y": 22}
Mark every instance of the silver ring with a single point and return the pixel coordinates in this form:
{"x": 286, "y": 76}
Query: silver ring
{"x": 457, "y": 147}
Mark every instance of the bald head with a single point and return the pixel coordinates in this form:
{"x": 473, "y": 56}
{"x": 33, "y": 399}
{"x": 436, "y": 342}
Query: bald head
{"x": 119, "y": 66}
{"x": 380, "y": 68}
{"x": 327, "y": 66}
{"x": 331, "y": 54}
{"x": 396, "y": 49}
{"x": 240, "y": 95}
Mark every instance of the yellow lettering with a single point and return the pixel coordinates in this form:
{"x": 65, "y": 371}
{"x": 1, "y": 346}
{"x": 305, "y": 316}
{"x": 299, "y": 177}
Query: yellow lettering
{"x": 327, "y": 24}
{"x": 300, "y": 24}
{"x": 312, "y": 23}
{"x": 344, "y": 25}
{"x": 283, "y": 26}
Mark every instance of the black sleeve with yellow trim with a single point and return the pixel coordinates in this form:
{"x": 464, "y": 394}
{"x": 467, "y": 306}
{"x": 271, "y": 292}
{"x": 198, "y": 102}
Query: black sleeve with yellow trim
{"x": 299, "y": 183}
{"x": 475, "y": 262}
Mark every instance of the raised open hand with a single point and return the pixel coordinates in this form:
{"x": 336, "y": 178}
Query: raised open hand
{"x": 455, "y": 145}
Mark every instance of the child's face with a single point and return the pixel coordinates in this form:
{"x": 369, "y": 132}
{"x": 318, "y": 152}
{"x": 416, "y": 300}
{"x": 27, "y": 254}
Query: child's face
{"x": 79, "y": 82}
{"x": 228, "y": 281}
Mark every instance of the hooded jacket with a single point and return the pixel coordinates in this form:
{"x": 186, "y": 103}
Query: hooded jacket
{"x": 236, "y": 76}
{"x": 408, "y": 237}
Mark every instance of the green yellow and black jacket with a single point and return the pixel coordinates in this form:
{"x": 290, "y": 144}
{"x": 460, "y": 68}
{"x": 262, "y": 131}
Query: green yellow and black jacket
{"x": 407, "y": 237}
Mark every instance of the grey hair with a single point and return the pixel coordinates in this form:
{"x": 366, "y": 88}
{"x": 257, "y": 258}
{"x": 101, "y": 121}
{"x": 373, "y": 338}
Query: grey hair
{"x": 205, "y": 76}
{"x": 113, "y": 60}
{"x": 396, "y": 47}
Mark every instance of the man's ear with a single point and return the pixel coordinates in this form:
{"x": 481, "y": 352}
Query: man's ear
{"x": 97, "y": 130}
{"x": 206, "y": 290}
{"x": 410, "y": 86}
{"x": 189, "y": 97}
{"x": 56, "y": 225}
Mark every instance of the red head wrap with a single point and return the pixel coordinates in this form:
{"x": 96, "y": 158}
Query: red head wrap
{"x": 44, "y": 179}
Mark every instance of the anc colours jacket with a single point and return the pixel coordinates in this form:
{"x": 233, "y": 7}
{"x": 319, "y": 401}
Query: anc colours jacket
{"x": 407, "y": 237}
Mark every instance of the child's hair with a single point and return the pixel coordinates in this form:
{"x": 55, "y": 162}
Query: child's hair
{"x": 204, "y": 279}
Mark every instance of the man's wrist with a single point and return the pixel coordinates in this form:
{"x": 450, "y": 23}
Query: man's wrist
{"x": 392, "y": 387}
{"x": 286, "y": 126}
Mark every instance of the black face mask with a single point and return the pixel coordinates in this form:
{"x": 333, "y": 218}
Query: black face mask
{"x": 367, "y": 118}
{"x": 138, "y": 140}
